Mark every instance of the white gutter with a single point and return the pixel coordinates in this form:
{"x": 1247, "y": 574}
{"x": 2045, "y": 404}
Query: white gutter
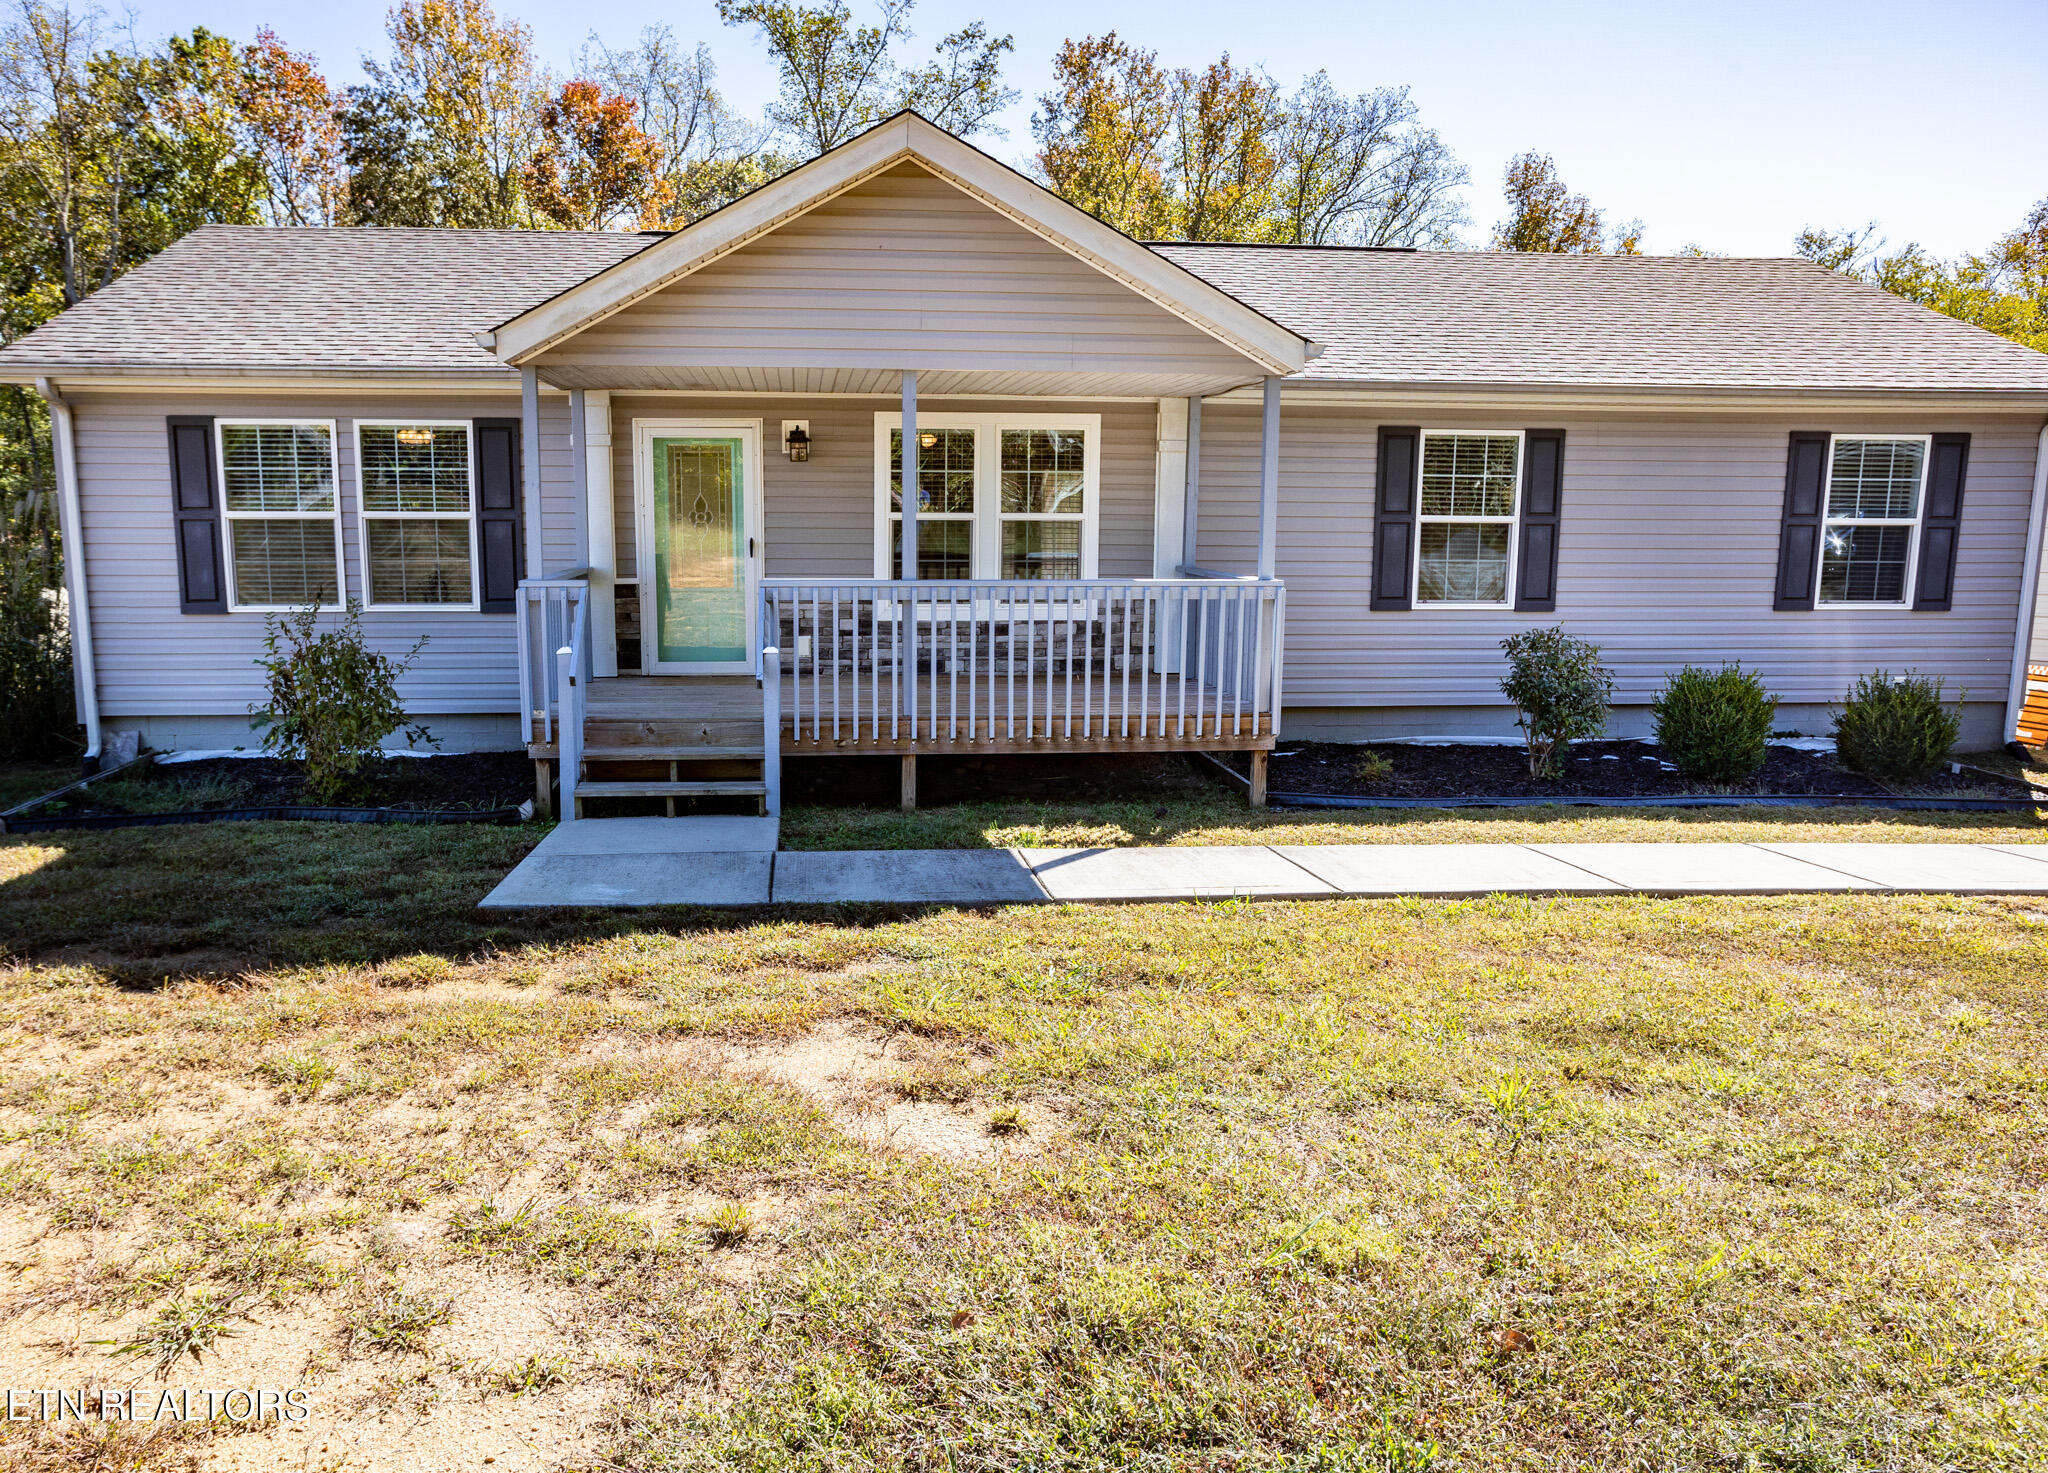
{"x": 71, "y": 527}
{"x": 2030, "y": 584}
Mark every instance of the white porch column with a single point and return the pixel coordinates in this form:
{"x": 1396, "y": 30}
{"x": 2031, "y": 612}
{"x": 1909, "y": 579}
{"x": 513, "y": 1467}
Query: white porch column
{"x": 910, "y": 468}
{"x": 602, "y": 555}
{"x": 1269, "y": 481}
{"x": 529, "y": 467}
{"x": 1191, "y": 510}
{"x": 1169, "y": 488}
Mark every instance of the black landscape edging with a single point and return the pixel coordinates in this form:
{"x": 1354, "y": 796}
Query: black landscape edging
{"x": 1758, "y": 800}
{"x": 275, "y": 812}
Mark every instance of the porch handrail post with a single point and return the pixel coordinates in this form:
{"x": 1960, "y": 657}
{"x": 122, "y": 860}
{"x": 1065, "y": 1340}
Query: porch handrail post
{"x": 771, "y": 729}
{"x": 907, "y": 565}
{"x": 1269, "y": 481}
{"x": 522, "y": 617}
{"x": 1191, "y": 506}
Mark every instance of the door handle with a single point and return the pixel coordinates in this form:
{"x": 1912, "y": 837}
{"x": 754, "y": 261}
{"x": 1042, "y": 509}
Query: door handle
{"x": 750, "y": 547}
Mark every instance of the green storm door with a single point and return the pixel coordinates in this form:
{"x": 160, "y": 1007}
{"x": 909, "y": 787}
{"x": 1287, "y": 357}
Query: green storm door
{"x": 700, "y": 550}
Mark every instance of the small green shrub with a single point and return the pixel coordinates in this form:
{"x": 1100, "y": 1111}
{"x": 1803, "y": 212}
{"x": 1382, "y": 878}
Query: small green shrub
{"x": 1374, "y": 768}
{"x": 1715, "y": 725}
{"x": 333, "y": 699}
{"x": 1561, "y": 689}
{"x": 1895, "y": 728}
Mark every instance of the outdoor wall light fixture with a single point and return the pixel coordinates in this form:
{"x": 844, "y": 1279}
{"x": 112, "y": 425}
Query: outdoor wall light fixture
{"x": 796, "y": 439}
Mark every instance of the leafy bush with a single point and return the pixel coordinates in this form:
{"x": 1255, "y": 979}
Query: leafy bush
{"x": 1714, "y": 724}
{"x": 333, "y": 699}
{"x": 37, "y": 706}
{"x": 1894, "y": 727}
{"x": 1561, "y": 689}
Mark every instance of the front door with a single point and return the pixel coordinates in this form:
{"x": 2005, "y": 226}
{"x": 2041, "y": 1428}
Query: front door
{"x": 700, "y": 510}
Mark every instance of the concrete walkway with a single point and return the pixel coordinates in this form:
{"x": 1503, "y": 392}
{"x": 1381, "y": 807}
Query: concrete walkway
{"x": 733, "y": 861}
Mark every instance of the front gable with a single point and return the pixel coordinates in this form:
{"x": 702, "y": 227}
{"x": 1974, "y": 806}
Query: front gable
{"x": 888, "y": 255}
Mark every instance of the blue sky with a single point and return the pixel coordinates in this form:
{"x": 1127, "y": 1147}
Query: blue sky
{"x": 1729, "y": 124}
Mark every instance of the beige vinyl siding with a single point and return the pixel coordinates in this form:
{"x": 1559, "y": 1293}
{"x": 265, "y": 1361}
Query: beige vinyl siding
{"x": 904, "y": 271}
{"x": 155, "y": 661}
{"x": 820, "y": 515}
{"x": 1667, "y": 554}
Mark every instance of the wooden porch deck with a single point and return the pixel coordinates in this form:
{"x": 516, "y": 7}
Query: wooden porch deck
{"x": 632, "y": 717}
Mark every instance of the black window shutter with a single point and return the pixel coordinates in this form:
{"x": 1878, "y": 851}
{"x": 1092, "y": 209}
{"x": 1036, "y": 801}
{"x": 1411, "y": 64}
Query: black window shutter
{"x": 1542, "y": 491}
{"x": 1936, "y": 584}
{"x": 1393, "y": 518}
{"x": 1806, "y": 464}
{"x": 195, "y": 512}
{"x": 500, "y": 546}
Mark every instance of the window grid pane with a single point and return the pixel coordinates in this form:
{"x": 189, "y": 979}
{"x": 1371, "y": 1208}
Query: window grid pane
{"x": 1041, "y": 549}
{"x": 283, "y": 563}
{"x": 1463, "y": 563}
{"x": 945, "y": 471}
{"x": 417, "y": 561}
{"x": 1864, "y": 564}
{"x": 1875, "y": 479}
{"x": 945, "y": 548}
{"x": 416, "y": 468}
{"x": 1469, "y": 475}
{"x": 1042, "y": 471}
{"x": 277, "y": 468}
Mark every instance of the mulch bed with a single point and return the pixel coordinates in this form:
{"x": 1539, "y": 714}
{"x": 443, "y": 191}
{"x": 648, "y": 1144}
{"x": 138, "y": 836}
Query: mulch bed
{"x": 456, "y": 782}
{"x": 1590, "y": 770}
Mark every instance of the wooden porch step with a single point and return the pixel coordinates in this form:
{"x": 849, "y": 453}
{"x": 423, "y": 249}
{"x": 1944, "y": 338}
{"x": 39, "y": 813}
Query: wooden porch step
{"x": 736, "y": 788}
{"x": 749, "y": 752}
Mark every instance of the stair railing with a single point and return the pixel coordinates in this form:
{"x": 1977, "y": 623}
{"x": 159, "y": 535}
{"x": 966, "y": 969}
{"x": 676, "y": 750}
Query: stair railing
{"x": 572, "y": 684}
{"x": 771, "y": 730}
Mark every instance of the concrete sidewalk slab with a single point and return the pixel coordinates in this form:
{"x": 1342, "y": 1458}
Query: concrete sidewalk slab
{"x": 1702, "y": 869}
{"x": 1440, "y": 869}
{"x": 696, "y": 834}
{"x": 1193, "y": 873}
{"x": 1960, "y": 869}
{"x": 905, "y": 877}
{"x": 635, "y": 879}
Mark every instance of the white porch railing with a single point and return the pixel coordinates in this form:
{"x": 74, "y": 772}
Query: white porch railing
{"x": 572, "y": 688}
{"x": 1096, "y": 660}
{"x": 546, "y": 612}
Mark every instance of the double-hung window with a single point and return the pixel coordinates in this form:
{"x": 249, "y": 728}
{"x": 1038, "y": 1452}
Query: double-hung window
{"x": 1871, "y": 526}
{"x": 418, "y": 514}
{"x": 948, "y": 470}
{"x": 278, "y": 482}
{"x": 1011, "y": 497}
{"x": 1465, "y": 519}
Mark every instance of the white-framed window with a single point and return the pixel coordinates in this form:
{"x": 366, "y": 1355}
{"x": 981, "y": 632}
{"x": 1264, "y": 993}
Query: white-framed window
{"x": 1008, "y": 496}
{"x": 416, "y": 483}
{"x": 1468, "y": 497}
{"x": 1872, "y": 503}
{"x": 282, "y": 513}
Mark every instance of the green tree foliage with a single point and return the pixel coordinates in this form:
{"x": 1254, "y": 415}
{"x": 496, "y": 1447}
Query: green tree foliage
{"x": 331, "y": 699}
{"x": 1560, "y": 690}
{"x": 1221, "y": 153}
{"x": 1544, "y": 216}
{"x": 839, "y": 77}
{"x": 442, "y": 132}
{"x": 2002, "y": 290}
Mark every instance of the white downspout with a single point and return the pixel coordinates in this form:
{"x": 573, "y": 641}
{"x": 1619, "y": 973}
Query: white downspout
{"x": 2030, "y": 584}
{"x": 71, "y": 527}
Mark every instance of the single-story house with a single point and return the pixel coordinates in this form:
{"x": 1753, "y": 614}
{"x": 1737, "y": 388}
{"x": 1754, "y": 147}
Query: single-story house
{"x": 1170, "y": 496}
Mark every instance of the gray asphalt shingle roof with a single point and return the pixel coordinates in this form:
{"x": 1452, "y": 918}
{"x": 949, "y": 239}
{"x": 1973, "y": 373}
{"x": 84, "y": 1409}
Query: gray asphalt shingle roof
{"x": 1476, "y": 317}
{"x": 369, "y": 300}
{"x": 242, "y": 296}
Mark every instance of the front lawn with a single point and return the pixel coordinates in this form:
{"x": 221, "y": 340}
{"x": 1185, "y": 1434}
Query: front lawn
{"x": 1614, "y": 1183}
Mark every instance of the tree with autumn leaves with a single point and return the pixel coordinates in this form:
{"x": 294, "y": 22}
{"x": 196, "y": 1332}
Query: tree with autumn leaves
{"x": 1222, "y": 153}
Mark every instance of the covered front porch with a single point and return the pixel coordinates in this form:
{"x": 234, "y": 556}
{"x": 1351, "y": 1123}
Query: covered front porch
{"x": 898, "y": 456}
